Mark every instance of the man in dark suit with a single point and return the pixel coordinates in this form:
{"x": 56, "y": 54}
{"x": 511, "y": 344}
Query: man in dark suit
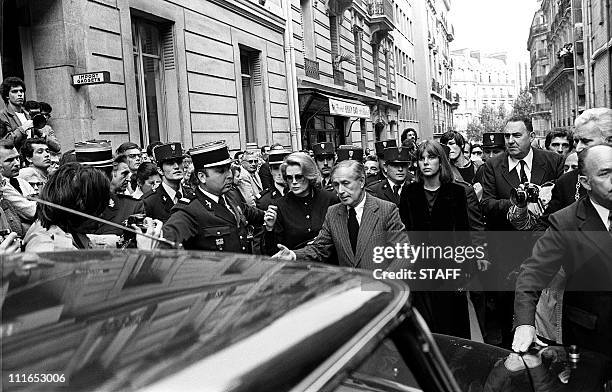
{"x": 397, "y": 163}
{"x": 325, "y": 158}
{"x": 579, "y": 239}
{"x": 214, "y": 219}
{"x": 520, "y": 163}
{"x": 355, "y": 227}
{"x": 158, "y": 204}
{"x": 593, "y": 127}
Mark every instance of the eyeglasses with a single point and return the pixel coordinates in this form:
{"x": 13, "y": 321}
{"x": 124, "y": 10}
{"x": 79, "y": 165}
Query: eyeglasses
{"x": 253, "y": 161}
{"x": 133, "y": 156}
{"x": 296, "y": 178}
{"x": 476, "y": 152}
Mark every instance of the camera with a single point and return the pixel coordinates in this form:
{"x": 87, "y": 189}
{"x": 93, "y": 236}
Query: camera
{"x": 129, "y": 238}
{"x": 4, "y": 233}
{"x": 39, "y": 121}
{"x": 525, "y": 193}
{"x": 136, "y": 219}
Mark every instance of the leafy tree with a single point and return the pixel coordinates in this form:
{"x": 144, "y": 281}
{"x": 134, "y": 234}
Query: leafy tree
{"x": 474, "y": 130}
{"x": 490, "y": 119}
{"x": 523, "y": 104}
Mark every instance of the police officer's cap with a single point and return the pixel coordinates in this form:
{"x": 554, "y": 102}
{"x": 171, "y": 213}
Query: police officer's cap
{"x": 323, "y": 149}
{"x": 493, "y": 140}
{"x": 95, "y": 153}
{"x": 346, "y": 152}
{"x": 380, "y": 147}
{"x": 397, "y": 155}
{"x": 167, "y": 151}
{"x": 276, "y": 157}
{"x": 210, "y": 155}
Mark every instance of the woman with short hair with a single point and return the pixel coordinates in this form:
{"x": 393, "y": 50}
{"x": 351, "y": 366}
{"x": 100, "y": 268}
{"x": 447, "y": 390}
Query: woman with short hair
{"x": 302, "y": 210}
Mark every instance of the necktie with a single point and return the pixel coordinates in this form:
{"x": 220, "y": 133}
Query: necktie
{"x": 610, "y": 221}
{"x": 15, "y": 183}
{"x": 396, "y": 189}
{"x": 353, "y": 228}
{"x": 224, "y": 204}
{"x": 178, "y": 196}
{"x": 522, "y": 174}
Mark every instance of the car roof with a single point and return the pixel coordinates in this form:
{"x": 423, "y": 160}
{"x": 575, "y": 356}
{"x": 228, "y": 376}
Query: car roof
{"x": 126, "y": 320}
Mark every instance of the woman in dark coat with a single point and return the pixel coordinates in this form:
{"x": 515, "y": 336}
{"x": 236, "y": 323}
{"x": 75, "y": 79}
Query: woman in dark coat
{"x": 302, "y": 210}
{"x": 434, "y": 211}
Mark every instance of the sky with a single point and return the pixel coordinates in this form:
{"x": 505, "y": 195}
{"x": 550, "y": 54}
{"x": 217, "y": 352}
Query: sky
{"x": 493, "y": 25}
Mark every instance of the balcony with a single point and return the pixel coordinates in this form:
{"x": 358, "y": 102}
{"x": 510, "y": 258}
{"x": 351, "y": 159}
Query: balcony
{"x": 540, "y": 28}
{"x": 563, "y": 65}
{"x": 311, "y": 68}
{"x": 337, "y": 7}
{"x": 381, "y": 15}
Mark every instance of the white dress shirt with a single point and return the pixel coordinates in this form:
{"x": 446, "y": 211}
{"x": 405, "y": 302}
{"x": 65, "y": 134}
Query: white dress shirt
{"x": 603, "y": 213}
{"x": 392, "y": 184}
{"x": 214, "y": 198}
{"x": 513, "y": 163}
{"x": 359, "y": 208}
{"x": 171, "y": 192}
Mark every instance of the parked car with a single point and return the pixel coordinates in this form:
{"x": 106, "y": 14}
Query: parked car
{"x": 182, "y": 321}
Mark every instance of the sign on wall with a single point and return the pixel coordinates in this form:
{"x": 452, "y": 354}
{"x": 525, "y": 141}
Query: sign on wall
{"x": 348, "y": 109}
{"x": 91, "y": 78}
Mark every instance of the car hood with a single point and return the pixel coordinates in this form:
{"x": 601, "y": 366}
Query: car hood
{"x": 125, "y": 320}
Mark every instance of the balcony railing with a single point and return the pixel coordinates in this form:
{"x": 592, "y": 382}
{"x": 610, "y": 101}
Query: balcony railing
{"x": 311, "y": 68}
{"x": 540, "y": 28}
{"x": 381, "y": 15}
{"x": 562, "y": 64}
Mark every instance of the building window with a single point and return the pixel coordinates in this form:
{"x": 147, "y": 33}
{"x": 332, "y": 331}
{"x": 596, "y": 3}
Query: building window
{"x": 357, "y": 34}
{"x": 375, "y": 64}
{"x": 334, "y": 35}
{"x": 153, "y": 53}
{"x": 250, "y": 70}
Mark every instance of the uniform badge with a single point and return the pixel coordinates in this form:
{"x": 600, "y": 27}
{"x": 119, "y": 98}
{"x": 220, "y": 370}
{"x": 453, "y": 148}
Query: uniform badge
{"x": 492, "y": 138}
{"x": 184, "y": 200}
{"x": 111, "y": 203}
{"x": 173, "y": 147}
{"x": 322, "y": 145}
{"x": 384, "y": 144}
{"x": 219, "y": 242}
{"x": 208, "y": 205}
{"x": 351, "y": 154}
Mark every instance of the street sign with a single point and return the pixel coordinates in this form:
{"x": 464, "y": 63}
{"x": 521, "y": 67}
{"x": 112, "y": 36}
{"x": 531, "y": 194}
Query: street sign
{"x": 91, "y": 78}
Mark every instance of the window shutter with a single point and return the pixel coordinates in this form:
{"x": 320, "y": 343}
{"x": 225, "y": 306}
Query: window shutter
{"x": 255, "y": 60}
{"x": 168, "y": 47}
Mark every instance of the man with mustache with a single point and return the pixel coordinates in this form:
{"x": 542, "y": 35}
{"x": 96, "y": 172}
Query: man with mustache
{"x": 159, "y": 203}
{"x": 215, "y": 219}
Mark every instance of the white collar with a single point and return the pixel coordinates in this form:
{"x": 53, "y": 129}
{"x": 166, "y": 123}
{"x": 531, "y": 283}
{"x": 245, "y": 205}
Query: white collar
{"x": 171, "y": 192}
{"x": 214, "y": 198}
{"x": 279, "y": 188}
{"x": 359, "y": 207}
{"x": 392, "y": 184}
{"x": 602, "y": 211}
{"x": 513, "y": 163}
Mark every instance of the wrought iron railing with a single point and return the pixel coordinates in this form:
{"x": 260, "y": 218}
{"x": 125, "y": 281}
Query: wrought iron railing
{"x": 312, "y": 68}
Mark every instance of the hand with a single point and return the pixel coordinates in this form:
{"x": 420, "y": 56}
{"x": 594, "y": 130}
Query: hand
{"x": 524, "y": 336}
{"x": 483, "y": 265}
{"x": 10, "y": 245}
{"x": 546, "y": 194}
{"x": 520, "y": 202}
{"x": 27, "y": 125}
{"x": 154, "y": 228}
{"x": 270, "y": 217}
{"x": 478, "y": 189}
{"x": 535, "y": 209}
{"x": 284, "y": 254}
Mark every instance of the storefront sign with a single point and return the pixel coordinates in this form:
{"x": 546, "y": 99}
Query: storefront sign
{"x": 91, "y": 78}
{"x": 348, "y": 109}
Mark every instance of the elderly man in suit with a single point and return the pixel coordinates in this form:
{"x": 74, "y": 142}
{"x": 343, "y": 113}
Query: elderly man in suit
{"x": 520, "y": 163}
{"x": 579, "y": 239}
{"x": 354, "y": 227}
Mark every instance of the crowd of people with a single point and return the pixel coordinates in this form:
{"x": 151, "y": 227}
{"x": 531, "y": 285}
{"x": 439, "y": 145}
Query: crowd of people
{"x": 337, "y": 205}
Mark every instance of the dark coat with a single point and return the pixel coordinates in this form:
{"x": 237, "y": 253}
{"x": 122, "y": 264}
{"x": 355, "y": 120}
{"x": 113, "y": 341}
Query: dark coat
{"x": 299, "y": 220}
{"x": 578, "y": 241}
{"x": 383, "y": 190}
{"x": 267, "y": 181}
{"x": 158, "y": 203}
{"x": 327, "y": 184}
{"x": 203, "y": 224}
{"x": 268, "y": 197}
{"x": 445, "y": 311}
{"x": 564, "y": 192}
{"x": 118, "y": 210}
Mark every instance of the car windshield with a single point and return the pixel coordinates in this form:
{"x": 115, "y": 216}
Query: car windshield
{"x": 124, "y": 320}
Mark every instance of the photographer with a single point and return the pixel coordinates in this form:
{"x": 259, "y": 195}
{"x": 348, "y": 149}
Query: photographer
{"x": 40, "y": 112}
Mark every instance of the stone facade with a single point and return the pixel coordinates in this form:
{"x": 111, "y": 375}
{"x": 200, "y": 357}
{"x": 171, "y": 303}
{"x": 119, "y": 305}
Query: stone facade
{"x": 536, "y": 44}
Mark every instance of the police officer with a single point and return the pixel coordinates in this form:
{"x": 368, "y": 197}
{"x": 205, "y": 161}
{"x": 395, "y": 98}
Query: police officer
{"x": 99, "y": 154}
{"x": 214, "y": 219}
{"x": 169, "y": 158}
{"x": 279, "y": 186}
{"x": 325, "y": 158}
{"x": 380, "y": 154}
{"x": 345, "y": 152}
{"x": 397, "y": 163}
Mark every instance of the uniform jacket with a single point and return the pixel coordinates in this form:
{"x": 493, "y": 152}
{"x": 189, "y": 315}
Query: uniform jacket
{"x": 327, "y": 185}
{"x": 299, "y": 219}
{"x": 380, "y": 226}
{"x": 202, "y": 224}
{"x": 578, "y": 241}
{"x": 158, "y": 203}
{"x": 269, "y": 196}
{"x": 119, "y": 208}
{"x": 384, "y": 191}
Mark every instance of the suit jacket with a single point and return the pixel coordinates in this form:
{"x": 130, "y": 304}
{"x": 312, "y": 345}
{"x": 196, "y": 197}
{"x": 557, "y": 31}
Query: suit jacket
{"x": 203, "y": 224}
{"x": 158, "y": 203}
{"x": 564, "y": 192}
{"x": 578, "y": 241}
{"x": 265, "y": 175}
{"x": 249, "y": 186}
{"x": 380, "y": 226}
{"x": 384, "y": 191}
{"x": 9, "y": 122}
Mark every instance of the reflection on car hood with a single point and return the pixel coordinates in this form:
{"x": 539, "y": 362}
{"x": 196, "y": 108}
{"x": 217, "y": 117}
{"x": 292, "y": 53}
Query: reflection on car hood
{"x": 482, "y": 367}
{"x": 121, "y": 320}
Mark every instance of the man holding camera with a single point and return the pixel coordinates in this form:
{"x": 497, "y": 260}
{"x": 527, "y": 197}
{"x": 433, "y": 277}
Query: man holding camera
{"x": 519, "y": 164}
